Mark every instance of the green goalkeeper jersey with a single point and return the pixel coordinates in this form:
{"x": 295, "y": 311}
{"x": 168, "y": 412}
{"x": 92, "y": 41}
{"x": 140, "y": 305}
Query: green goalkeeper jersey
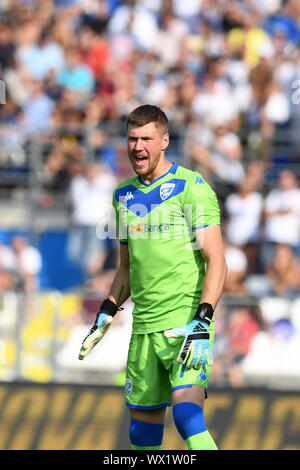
{"x": 158, "y": 222}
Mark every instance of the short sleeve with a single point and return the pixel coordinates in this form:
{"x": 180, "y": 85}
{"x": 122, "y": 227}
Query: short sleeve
{"x": 201, "y": 207}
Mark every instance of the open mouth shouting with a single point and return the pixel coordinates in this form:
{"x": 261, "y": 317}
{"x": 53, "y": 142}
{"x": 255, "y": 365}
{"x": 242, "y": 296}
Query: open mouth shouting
{"x": 140, "y": 160}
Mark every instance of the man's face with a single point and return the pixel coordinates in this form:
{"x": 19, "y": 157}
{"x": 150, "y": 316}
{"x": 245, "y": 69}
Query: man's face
{"x": 287, "y": 180}
{"x": 146, "y": 146}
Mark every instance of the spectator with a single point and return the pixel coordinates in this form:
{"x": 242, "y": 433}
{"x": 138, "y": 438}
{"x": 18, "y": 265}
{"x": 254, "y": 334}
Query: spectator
{"x": 227, "y": 142}
{"x": 216, "y": 152}
{"x": 90, "y": 196}
{"x": 28, "y": 263}
{"x": 189, "y": 12}
{"x": 241, "y": 331}
{"x": 244, "y": 210}
{"x": 76, "y": 76}
{"x": 284, "y": 272}
{"x": 187, "y": 92}
{"x": 55, "y": 175}
{"x": 125, "y": 94}
{"x": 8, "y": 276}
{"x": 38, "y": 108}
{"x": 95, "y": 51}
{"x": 237, "y": 265}
{"x": 260, "y": 78}
{"x": 42, "y": 57}
{"x": 276, "y": 111}
{"x": 7, "y": 47}
{"x": 249, "y": 35}
{"x": 13, "y": 135}
{"x": 282, "y": 214}
{"x": 97, "y": 138}
{"x": 275, "y": 349}
{"x": 214, "y": 98}
{"x": 52, "y": 88}
{"x": 169, "y": 40}
{"x": 239, "y": 74}
{"x": 284, "y": 23}
{"x": 134, "y": 17}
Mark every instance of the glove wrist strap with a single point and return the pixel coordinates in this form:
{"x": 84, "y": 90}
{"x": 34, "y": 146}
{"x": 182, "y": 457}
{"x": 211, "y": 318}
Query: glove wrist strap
{"x": 204, "y": 312}
{"x": 108, "y": 307}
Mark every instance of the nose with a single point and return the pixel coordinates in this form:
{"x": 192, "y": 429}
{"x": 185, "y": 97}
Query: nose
{"x": 138, "y": 146}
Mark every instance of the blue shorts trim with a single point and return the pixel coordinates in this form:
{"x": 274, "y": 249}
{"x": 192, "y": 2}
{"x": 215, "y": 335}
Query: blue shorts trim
{"x": 188, "y": 386}
{"x": 182, "y": 386}
{"x": 144, "y": 407}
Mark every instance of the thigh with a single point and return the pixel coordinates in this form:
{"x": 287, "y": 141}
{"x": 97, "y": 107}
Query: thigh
{"x": 194, "y": 394}
{"x": 150, "y": 416}
{"x": 147, "y": 384}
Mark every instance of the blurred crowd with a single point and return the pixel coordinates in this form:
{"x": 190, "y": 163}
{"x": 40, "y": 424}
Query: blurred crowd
{"x": 226, "y": 72}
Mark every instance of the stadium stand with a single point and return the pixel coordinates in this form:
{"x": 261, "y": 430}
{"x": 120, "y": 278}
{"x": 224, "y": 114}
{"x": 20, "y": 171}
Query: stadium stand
{"x": 227, "y": 75}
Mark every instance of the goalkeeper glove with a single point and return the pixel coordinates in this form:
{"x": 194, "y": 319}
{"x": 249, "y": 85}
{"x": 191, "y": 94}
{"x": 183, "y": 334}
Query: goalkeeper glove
{"x": 196, "y": 349}
{"x": 103, "y": 321}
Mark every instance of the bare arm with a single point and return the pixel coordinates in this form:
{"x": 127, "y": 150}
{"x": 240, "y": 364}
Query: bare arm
{"x": 210, "y": 242}
{"x": 119, "y": 292}
{"x": 120, "y": 288}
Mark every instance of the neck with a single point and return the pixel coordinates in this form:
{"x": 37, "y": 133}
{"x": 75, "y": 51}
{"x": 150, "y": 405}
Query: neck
{"x": 159, "y": 171}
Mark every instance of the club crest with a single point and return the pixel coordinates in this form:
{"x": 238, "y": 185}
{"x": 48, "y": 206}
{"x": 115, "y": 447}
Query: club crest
{"x": 128, "y": 386}
{"x": 166, "y": 190}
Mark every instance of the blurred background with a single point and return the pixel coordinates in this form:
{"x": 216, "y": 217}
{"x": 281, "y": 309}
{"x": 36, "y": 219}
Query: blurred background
{"x": 227, "y": 74}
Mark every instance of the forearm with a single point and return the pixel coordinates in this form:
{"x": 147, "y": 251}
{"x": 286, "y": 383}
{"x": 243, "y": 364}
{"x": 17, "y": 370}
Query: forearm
{"x": 119, "y": 292}
{"x": 120, "y": 288}
{"x": 214, "y": 281}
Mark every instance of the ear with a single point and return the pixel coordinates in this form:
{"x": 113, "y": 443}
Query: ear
{"x": 165, "y": 142}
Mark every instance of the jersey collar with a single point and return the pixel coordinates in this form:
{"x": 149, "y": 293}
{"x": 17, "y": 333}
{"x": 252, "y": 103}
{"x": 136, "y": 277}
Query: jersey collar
{"x": 172, "y": 170}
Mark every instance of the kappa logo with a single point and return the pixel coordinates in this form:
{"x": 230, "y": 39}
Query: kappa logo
{"x": 166, "y": 190}
{"x": 128, "y": 386}
{"x": 199, "y": 180}
{"x": 202, "y": 375}
{"x": 128, "y": 196}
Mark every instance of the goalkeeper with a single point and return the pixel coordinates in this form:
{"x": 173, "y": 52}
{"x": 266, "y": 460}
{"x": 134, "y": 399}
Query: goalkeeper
{"x": 172, "y": 265}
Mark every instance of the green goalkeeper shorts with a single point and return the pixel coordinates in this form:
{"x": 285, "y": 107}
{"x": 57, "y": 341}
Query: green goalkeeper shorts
{"x": 153, "y": 373}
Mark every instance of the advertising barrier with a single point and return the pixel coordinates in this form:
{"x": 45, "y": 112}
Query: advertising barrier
{"x": 79, "y": 417}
